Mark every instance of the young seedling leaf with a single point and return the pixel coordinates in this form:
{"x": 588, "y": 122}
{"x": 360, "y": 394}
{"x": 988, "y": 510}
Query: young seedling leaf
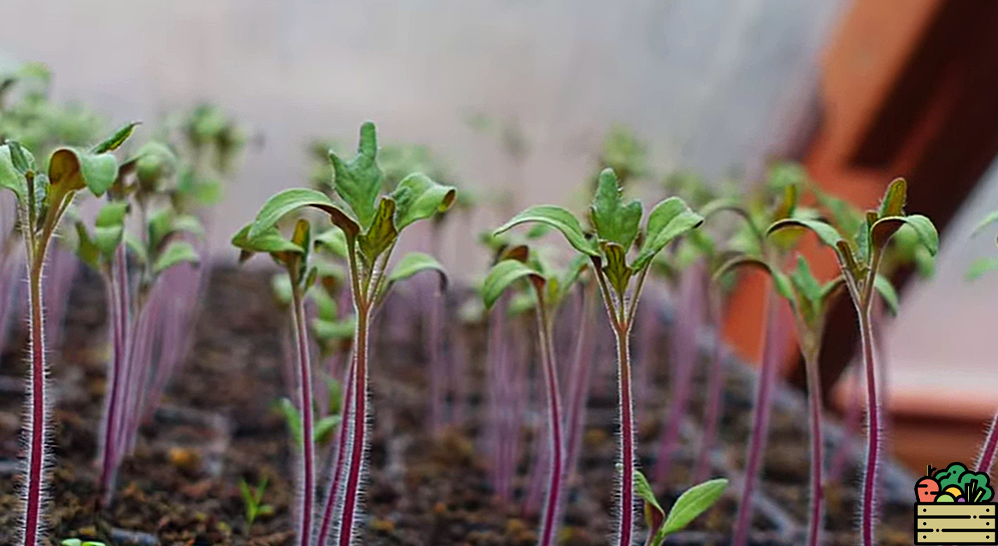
{"x": 177, "y": 252}
{"x": 502, "y": 275}
{"x": 359, "y": 181}
{"x": 987, "y": 221}
{"x": 415, "y": 262}
{"x": 109, "y": 227}
{"x": 616, "y": 269}
{"x": 894, "y": 199}
{"x": 885, "y": 228}
{"x": 668, "y": 220}
{"x": 10, "y": 177}
{"x": 982, "y": 266}
{"x": 154, "y": 162}
{"x": 654, "y": 514}
{"x": 382, "y": 232}
{"x": 558, "y": 218}
{"x": 72, "y": 170}
{"x": 692, "y": 503}
{"x": 780, "y": 280}
{"x": 419, "y": 198}
{"x": 270, "y": 241}
{"x": 115, "y": 141}
{"x": 288, "y": 201}
{"x": 825, "y": 232}
{"x": 614, "y": 220}
{"x": 334, "y": 241}
{"x": 886, "y": 289}
{"x": 330, "y": 330}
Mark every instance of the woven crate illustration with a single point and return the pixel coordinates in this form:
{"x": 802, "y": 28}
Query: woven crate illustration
{"x": 956, "y": 523}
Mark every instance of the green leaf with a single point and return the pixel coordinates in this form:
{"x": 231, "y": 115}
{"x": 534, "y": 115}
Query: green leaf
{"x": 558, "y": 218}
{"x": 325, "y": 305}
{"x": 616, "y": 269}
{"x": 894, "y": 199}
{"x": 358, "y": 181}
{"x": 292, "y": 419}
{"x": 692, "y": 503}
{"x": 109, "y": 227}
{"x": 382, "y": 232}
{"x": 328, "y": 330}
{"x": 781, "y": 282}
{"x": 115, "y": 141}
{"x": 288, "y": 201}
{"x": 883, "y": 285}
{"x": 270, "y": 241}
{"x": 10, "y": 177}
{"x": 325, "y": 427}
{"x": 281, "y": 286}
{"x": 504, "y": 274}
{"x": 154, "y": 162}
{"x": 415, "y": 262}
{"x": 177, "y": 252}
{"x": 654, "y": 514}
{"x": 72, "y": 170}
{"x": 85, "y": 248}
{"x": 419, "y": 198}
{"x": 668, "y": 220}
{"x": 334, "y": 241}
{"x": 987, "y": 221}
{"x": 807, "y": 285}
{"x": 825, "y": 232}
{"x": 980, "y": 267}
{"x": 884, "y": 228}
{"x": 614, "y": 221}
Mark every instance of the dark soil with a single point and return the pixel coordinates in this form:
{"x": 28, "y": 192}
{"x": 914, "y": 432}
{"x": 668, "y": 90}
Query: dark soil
{"x": 218, "y": 426}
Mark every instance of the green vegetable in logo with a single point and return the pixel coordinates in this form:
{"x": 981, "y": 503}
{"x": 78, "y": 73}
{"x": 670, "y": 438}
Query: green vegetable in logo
{"x": 974, "y": 486}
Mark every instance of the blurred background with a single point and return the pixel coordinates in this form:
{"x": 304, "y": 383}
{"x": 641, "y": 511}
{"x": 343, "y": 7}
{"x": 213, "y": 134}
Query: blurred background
{"x": 516, "y": 98}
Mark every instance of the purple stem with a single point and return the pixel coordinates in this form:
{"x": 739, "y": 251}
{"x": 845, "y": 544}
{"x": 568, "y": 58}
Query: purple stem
{"x": 580, "y": 377}
{"x": 868, "y": 507}
{"x": 186, "y": 283}
{"x": 684, "y": 351}
{"x": 307, "y": 478}
{"x": 118, "y": 306}
{"x": 142, "y": 364}
{"x": 817, "y": 445}
{"x": 760, "y": 416}
{"x": 338, "y": 459}
{"x": 715, "y": 391}
{"x": 986, "y": 460}
{"x": 38, "y": 404}
{"x": 498, "y": 361}
{"x": 437, "y": 365}
{"x": 550, "y": 522}
{"x": 355, "y": 458}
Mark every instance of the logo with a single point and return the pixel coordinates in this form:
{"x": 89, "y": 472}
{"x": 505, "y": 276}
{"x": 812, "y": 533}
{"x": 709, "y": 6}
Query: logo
{"x": 955, "y": 506}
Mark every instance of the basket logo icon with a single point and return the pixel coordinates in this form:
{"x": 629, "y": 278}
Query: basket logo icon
{"x": 955, "y": 506}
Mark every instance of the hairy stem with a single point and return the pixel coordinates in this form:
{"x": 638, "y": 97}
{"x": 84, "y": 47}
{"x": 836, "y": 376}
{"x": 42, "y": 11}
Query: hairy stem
{"x": 986, "y": 460}
{"x": 355, "y": 459}
{"x": 37, "y": 446}
{"x": 339, "y": 458}
{"x": 715, "y": 391}
{"x": 868, "y": 507}
{"x": 760, "y": 419}
{"x": 550, "y": 522}
{"x": 305, "y": 395}
{"x": 626, "y": 529}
